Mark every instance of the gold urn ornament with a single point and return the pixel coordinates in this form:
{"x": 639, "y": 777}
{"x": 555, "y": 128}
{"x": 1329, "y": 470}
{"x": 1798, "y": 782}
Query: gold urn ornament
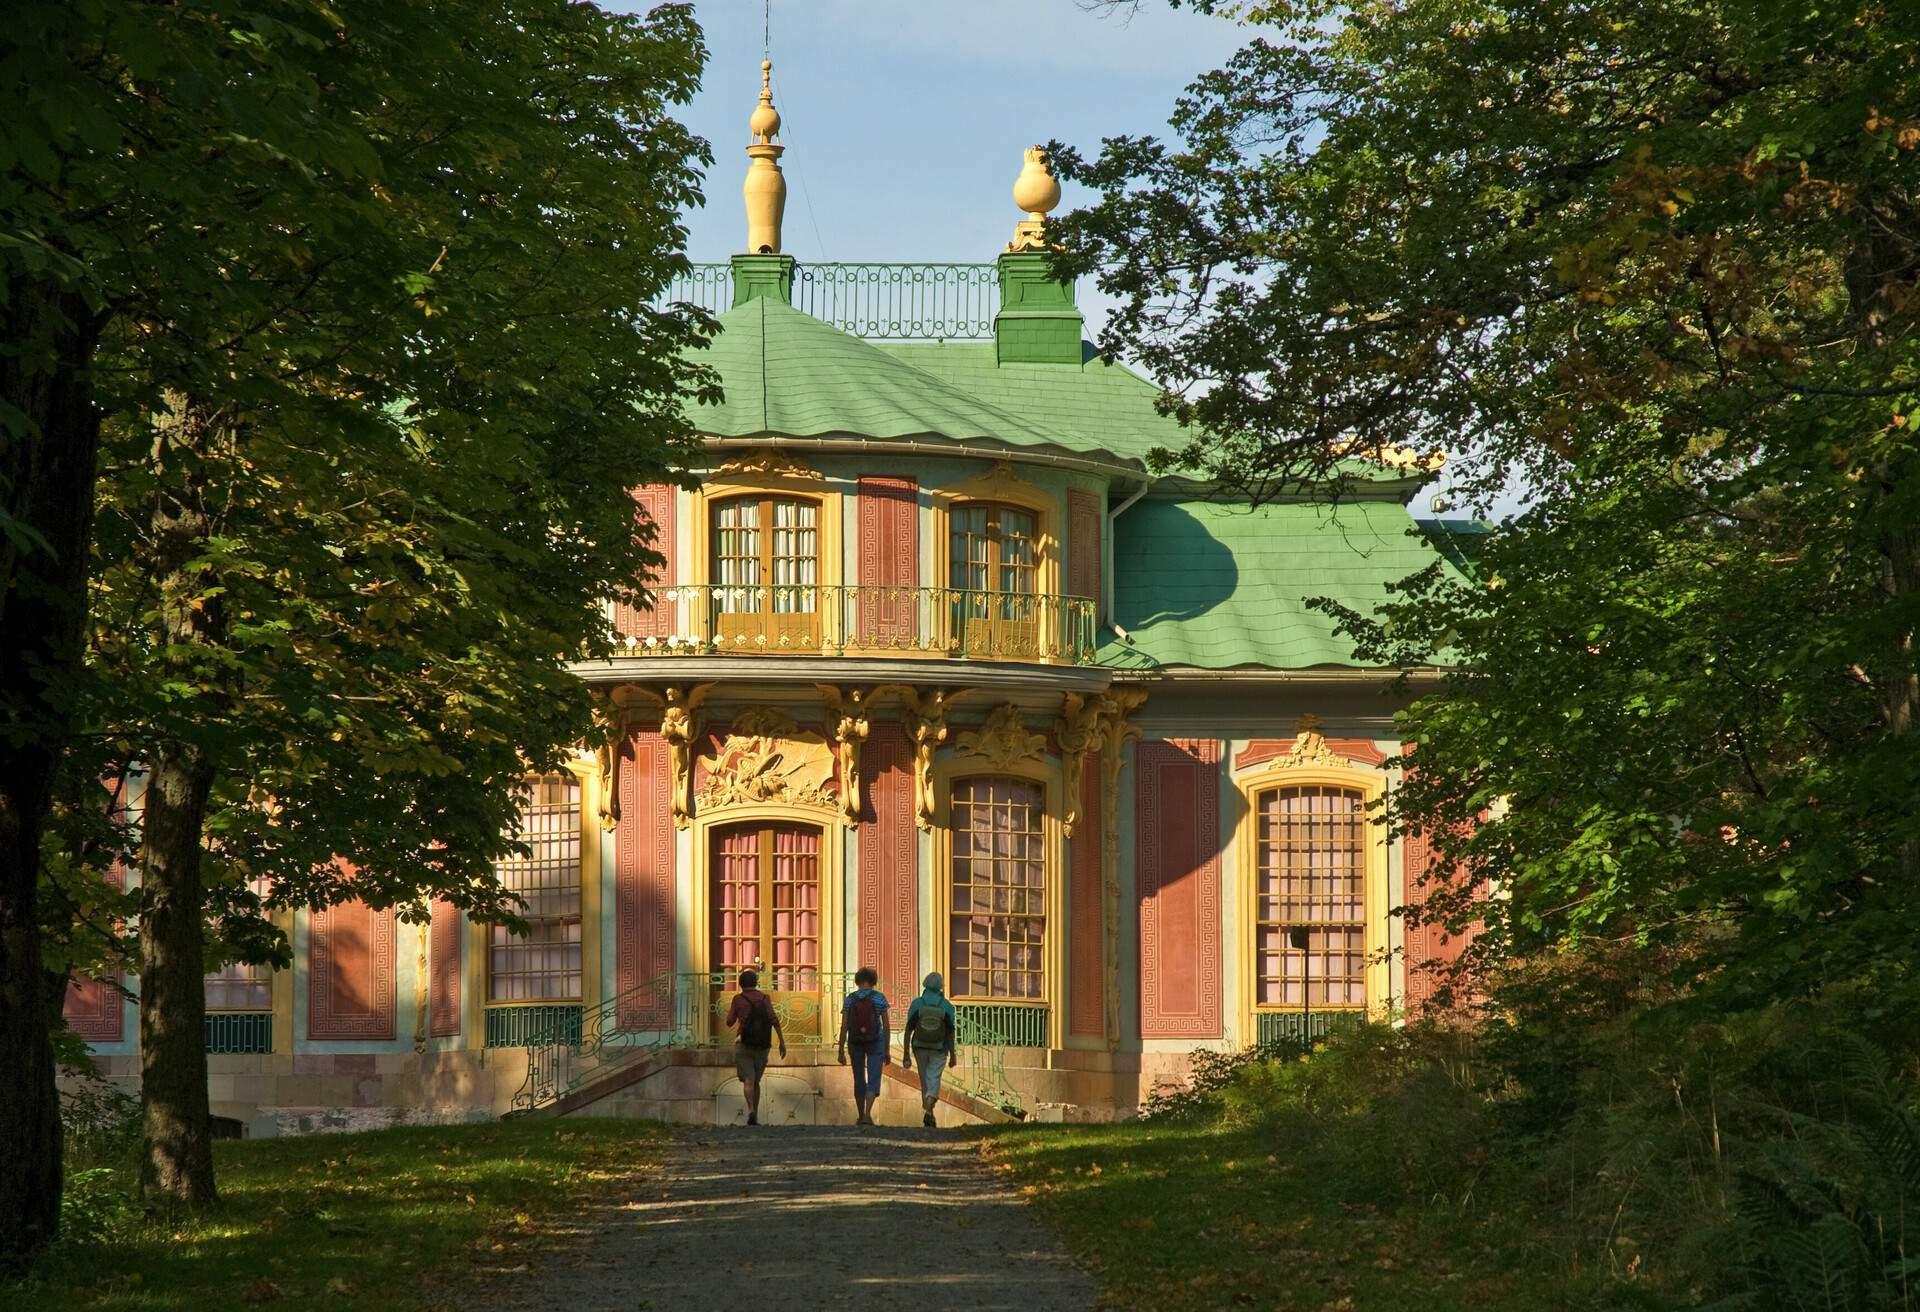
{"x": 765, "y": 190}
{"x": 1036, "y": 191}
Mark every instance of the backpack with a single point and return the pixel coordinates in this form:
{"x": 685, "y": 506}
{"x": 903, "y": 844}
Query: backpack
{"x": 863, "y": 1019}
{"x": 930, "y": 1027}
{"x": 756, "y": 1030}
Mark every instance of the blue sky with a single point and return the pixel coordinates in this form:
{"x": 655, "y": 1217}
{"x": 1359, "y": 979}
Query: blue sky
{"x": 905, "y": 119}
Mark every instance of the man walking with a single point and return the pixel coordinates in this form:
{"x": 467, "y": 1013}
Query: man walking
{"x": 753, "y": 1012}
{"x": 864, "y": 1031}
{"x": 930, "y": 1039}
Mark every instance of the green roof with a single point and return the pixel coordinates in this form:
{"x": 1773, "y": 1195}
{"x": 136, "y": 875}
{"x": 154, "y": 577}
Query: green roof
{"x": 1220, "y": 586}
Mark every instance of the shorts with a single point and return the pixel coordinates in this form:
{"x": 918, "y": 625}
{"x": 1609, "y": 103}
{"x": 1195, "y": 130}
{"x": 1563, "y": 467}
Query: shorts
{"x": 933, "y": 1064}
{"x": 750, "y": 1063}
{"x": 868, "y": 1061}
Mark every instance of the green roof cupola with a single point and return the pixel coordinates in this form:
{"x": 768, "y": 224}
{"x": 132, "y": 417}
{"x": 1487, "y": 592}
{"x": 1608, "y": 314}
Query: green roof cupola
{"x": 763, "y": 270}
{"x": 1038, "y": 322}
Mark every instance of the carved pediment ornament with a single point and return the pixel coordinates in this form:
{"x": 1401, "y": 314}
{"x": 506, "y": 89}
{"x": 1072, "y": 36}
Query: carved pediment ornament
{"x": 1003, "y": 740}
{"x": 1310, "y": 745}
{"x": 771, "y": 461}
{"x": 847, "y": 725}
{"x": 767, "y": 759}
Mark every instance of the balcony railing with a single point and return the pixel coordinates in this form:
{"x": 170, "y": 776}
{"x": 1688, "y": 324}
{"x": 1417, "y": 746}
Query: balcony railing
{"x": 861, "y": 620}
{"x": 909, "y": 302}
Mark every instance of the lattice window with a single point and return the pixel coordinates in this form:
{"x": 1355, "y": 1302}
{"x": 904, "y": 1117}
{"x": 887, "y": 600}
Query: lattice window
{"x": 543, "y": 964}
{"x": 998, "y": 924}
{"x": 767, "y": 903}
{"x": 994, "y": 548}
{"x": 240, "y": 986}
{"x": 1310, "y": 859}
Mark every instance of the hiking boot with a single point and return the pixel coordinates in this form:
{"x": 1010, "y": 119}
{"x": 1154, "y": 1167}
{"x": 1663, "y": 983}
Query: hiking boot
{"x": 927, "y": 1119}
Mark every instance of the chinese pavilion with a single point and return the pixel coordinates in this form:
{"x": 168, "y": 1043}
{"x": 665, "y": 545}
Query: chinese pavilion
{"x": 938, "y": 676}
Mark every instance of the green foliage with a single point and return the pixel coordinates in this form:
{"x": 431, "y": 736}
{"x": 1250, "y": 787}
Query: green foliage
{"x": 95, "y": 1206}
{"x": 100, "y": 1123}
{"x": 1658, "y": 264}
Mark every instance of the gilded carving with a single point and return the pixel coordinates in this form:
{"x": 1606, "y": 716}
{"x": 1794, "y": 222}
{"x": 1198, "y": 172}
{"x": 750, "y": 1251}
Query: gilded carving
{"x": 847, "y": 725}
{"x": 926, "y": 725}
{"x": 681, "y": 720}
{"x": 769, "y": 462}
{"x": 1003, "y": 740}
{"x": 767, "y": 759}
{"x": 1082, "y": 729}
{"x": 1120, "y": 705}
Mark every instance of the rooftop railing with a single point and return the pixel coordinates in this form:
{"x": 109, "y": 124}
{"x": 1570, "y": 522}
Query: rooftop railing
{"x": 908, "y": 302}
{"x": 857, "y": 619}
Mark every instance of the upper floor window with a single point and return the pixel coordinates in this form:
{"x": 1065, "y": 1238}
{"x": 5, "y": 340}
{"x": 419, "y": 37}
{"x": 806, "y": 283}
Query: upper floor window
{"x": 1310, "y": 872}
{"x": 766, "y": 568}
{"x": 543, "y": 964}
{"x": 998, "y": 920}
{"x": 994, "y": 548}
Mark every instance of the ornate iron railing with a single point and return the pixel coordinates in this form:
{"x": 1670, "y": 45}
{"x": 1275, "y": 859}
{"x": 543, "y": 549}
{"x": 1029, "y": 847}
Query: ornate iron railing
{"x": 862, "y": 619}
{"x": 909, "y": 302}
{"x": 240, "y": 1031}
{"x": 688, "y": 1010}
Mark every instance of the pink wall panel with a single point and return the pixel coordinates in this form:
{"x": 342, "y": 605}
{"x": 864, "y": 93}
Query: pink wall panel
{"x": 351, "y": 972}
{"x": 643, "y": 881}
{"x": 1086, "y": 936}
{"x": 1430, "y": 949}
{"x": 1177, "y": 825}
{"x": 889, "y": 557}
{"x": 888, "y": 886}
{"x": 443, "y": 970}
{"x": 657, "y": 500}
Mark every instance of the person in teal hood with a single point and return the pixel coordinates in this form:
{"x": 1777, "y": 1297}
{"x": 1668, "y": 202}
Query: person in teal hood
{"x": 929, "y": 1039}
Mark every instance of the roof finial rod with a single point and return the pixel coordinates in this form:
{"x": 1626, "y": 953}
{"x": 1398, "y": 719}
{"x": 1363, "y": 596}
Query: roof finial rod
{"x": 765, "y": 190}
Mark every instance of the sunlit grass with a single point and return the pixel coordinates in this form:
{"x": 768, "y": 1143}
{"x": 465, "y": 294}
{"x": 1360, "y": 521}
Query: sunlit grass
{"x": 402, "y": 1218}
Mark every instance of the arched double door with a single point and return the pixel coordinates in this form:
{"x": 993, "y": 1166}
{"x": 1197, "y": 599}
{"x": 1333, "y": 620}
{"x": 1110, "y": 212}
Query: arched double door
{"x": 766, "y": 915}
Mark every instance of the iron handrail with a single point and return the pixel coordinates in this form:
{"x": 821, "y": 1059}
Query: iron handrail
{"x": 687, "y": 1009}
{"x": 901, "y": 301}
{"x": 837, "y": 619}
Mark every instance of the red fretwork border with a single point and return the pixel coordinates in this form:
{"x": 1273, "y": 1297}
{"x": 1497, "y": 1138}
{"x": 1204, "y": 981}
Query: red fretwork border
{"x": 1083, "y": 544}
{"x": 889, "y": 892}
{"x": 351, "y": 944}
{"x": 657, "y": 500}
{"x": 889, "y": 557}
{"x": 1164, "y": 769}
{"x": 1086, "y": 936}
{"x": 1360, "y": 751}
{"x": 443, "y": 970}
{"x": 643, "y": 879}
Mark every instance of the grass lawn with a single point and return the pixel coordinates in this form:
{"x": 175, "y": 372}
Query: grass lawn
{"x": 398, "y": 1219}
{"x": 1194, "y": 1214}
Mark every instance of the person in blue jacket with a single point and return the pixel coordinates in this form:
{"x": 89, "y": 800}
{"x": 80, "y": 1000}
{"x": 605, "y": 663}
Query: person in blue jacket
{"x": 929, "y": 1039}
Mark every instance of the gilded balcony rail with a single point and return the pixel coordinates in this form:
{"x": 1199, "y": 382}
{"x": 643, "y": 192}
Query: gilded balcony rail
{"x": 908, "y": 302}
{"x": 688, "y": 1010}
{"x": 857, "y": 619}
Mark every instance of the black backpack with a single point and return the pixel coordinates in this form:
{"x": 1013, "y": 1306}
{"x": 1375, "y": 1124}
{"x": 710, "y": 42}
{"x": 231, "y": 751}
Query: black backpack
{"x": 756, "y": 1030}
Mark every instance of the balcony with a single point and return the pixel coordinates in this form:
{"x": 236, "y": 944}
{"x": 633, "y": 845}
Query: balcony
{"x": 861, "y": 620}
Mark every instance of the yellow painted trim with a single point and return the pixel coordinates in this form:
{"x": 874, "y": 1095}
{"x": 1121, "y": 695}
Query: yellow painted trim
{"x": 283, "y": 992}
{"x": 1376, "y": 902}
{"x": 950, "y": 767}
{"x": 833, "y": 859}
{"x": 698, "y": 567}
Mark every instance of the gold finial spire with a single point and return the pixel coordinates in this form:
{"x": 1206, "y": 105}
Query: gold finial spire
{"x": 1036, "y": 191}
{"x": 765, "y": 190}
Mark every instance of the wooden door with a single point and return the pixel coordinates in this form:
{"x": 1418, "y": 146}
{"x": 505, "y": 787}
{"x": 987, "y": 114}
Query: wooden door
{"x": 994, "y": 571}
{"x": 766, "y": 915}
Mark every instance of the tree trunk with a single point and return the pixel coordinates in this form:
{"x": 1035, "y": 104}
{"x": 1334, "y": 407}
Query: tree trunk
{"x": 46, "y": 492}
{"x": 176, "y": 1132}
{"x": 176, "y": 1124}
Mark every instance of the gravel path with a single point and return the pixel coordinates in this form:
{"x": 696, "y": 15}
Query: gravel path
{"x": 803, "y": 1217}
